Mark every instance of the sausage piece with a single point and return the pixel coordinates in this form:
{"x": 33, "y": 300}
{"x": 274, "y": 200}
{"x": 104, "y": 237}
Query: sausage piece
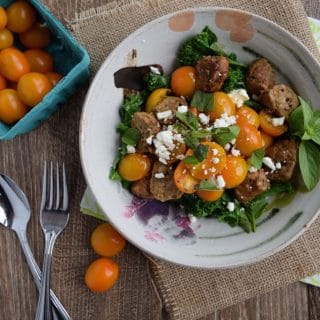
{"x": 141, "y": 188}
{"x": 211, "y": 72}
{"x": 148, "y": 126}
{"x": 254, "y": 184}
{"x": 163, "y": 188}
{"x": 280, "y": 100}
{"x": 285, "y": 153}
{"x": 260, "y": 77}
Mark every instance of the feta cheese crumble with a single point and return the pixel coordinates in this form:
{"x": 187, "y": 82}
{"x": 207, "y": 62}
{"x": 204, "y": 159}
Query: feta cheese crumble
{"x": 192, "y": 218}
{"x": 159, "y": 175}
{"x": 131, "y": 149}
{"x": 224, "y": 121}
{"x": 183, "y": 109}
{"x": 215, "y": 152}
{"x": 252, "y": 169}
{"x": 269, "y": 163}
{"x": 227, "y": 147}
{"x": 277, "y": 122}
{"x": 220, "y": 182}
{"x": 204, "y": 119}
{"x": 231, "y": 206}
{"x": 155, "y": 70}
{"x": 149, "y": 140}
{"x": 278, "y": 165}
{"x": 235, "y": 152}
{"x": 238, "y": 96}
{"x": 165, "y": 115}
{"x": 180, "y": 156}
{"x": 215, "y": 160}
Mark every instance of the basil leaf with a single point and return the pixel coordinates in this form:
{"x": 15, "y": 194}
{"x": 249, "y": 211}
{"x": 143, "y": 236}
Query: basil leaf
{"x": 296, "y": 123}
{"x": 131, "y": 137}
{"x": 200, "y": 134}
{"x": 253, "y": 104}
{"x": 191, "y": 160}
{"x": 189, "y": 119}
{"x": 201, "y": 152}
{"x": 256, "y": 158}
{"x": 202, "y": 101}
{"x": 307, "y": 112}
{"x": 225, "y": 135}
{"x": 309, "y": 155}
{"x": 206, "y": 185}
{"x": 313, "y": 131}
{"x": 191, "y": 142}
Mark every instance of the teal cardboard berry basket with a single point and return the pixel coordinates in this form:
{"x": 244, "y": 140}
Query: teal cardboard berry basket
{"x": 70, "y": 59}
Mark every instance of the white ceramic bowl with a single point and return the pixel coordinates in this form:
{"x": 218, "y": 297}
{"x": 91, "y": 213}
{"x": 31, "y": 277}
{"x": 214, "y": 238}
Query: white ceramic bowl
{"x": 156, "y": 228}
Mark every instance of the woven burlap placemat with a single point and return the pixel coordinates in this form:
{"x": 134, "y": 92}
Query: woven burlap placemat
{"x": 189, "y": 293}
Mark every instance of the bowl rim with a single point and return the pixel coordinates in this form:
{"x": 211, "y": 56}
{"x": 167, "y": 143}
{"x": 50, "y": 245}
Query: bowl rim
{"x": 82, "y": 131}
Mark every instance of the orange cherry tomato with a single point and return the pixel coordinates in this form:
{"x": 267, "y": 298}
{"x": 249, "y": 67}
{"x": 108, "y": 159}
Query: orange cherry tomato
{"x": 267, "y": 126}
{"x": 247, "y": 115}
{"x": 106, "y": 241}
{"x": 39, "y": 60}
{"x": 211, "y": 195}
{"x": 134, "y": 166}
{"x": 54, "y": 77}
{"x": 184, "y": 181}
{"x": 194, "y": 111}
{"x": 32, "y": 87}
{"x": 3, "y": 82}
{"x": 11, "y": 107}
{"x": 101, "y": 275}
{"x": 248, "y": 140}
{"x": 213, "y": 164}
{"x": 13, "y": 64}
{"x": 37, "y": 37}
{"x": 3, "y": 18}
{"x": 235, "y": 171}
{"x": 6, "y": 39}
{"x": 222, "y": 103}
{"x": 266, "y": 140}
{"x": 21, "y": 16}
{"x": 183, "y": 81}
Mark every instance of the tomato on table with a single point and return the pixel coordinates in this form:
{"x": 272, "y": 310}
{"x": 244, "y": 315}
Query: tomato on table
{"x": 267, "y": 126}
{"x": 3, "y": 82}
{"x": 210, "y": 195}
{"x": 247, "y": 115}
{"x": 21, "y": 16}
{"x": 37, "y": 37}
{"x": 183, "y": 82}
{"x": 134, "y": 166}
{"x": 155, "y": 97}
{"x": 248, "y": 140}
{"x": 222, "y": 103}
{"x": 39, "y": 60}
{"x": 13, "y": 64}
{"x": 184, "y": 181}
{"x": 6, "y": 39}
{"x": 266, "y": 140}
{"x": 106, "y": 241}
{"x": 11, "y": 107}
{"x": 101, "y": 275}
{"x": 32, "y": 87}
{"x": 54, "y": 77}
{"x": 3, "y": 18}
{"x": 235, "y": 171}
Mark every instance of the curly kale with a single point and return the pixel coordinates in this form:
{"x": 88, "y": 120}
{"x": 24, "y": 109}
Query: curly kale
{"x": 155, "y": 81}
{"x": 236, "y": 79}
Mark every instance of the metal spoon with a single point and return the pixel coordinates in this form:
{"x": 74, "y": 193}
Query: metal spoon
{"x": 15, "y": 215}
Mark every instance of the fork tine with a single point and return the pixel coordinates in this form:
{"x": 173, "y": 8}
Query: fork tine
{"x": 44, "y": 186}
{"x": 65, "y": 189}
{"x": 51, "y": 187}
{"x": 57, "y": 187}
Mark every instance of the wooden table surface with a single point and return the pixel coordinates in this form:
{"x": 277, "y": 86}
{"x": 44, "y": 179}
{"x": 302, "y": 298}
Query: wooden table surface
{"x": 22, "y": 160}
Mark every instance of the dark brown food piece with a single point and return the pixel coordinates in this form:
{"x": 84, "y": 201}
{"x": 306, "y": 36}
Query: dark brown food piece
{"x": 280, "y": 100}
{"x": 254, "y": 184}
{"x": 285, "y": 152}
{"x": 147, "y": 125}
{"x": 260, "y": 77}
{"x": 211, "y": 72}
{"x": 141, "y": 188}
{"x": 163, "y": 189}
{"x": 169, "y": 104}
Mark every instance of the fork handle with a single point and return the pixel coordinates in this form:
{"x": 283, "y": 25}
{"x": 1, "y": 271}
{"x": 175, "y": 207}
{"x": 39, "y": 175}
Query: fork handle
{"x": 44, "y": 307}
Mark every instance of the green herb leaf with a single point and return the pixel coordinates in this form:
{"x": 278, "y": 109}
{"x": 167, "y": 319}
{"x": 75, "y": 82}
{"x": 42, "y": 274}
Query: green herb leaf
{"x": 253, "y": 104}
{"x": 207, "y": 186}
{"x": 189, "y": 119}
{"x": 256, "y": 158}
{"x": 309, "y": 155}
{"x": 296, "y": 123}
{"x": 201, "y": 152}
{"x": 202, "y": 101}
{"x": 235, "y": 79}
{"x": 307, "y": 112}
{"x": 191, "y": 141}
{"x": 155, "y": 81}
{"x": 131, "y": 137}
{"x": 225, "y": 135}
{"x": 131, "y": 104}
{"x": 191, "y": 160}
{"x": 313, "y": 130}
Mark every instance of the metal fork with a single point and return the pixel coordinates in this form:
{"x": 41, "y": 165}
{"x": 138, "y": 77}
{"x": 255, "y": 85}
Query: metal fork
{"x": 53, "y": 219}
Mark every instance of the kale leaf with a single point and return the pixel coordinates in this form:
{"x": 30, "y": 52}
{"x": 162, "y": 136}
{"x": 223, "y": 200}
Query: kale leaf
{"x": 235, "y": 79}
{"x": 155, "y": 81}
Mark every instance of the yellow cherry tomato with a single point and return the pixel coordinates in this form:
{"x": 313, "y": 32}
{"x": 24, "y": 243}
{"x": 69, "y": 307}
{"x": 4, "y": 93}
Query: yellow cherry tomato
{"x": 235, "y": 171}
{"x": 134, "y": 166}
{"x": 222, "y": 103}
{"x": 155, "y": 97}
{"x": 37, "y": 37}
{"x": 247, "y": 115}
{"x": 184, "y": 181}
{"x": 183, "y": 81}
{"x": 266, "y": 140}
{"x": 212, "y": 195}
{"x": 6, "y": 39}
{"x": 267, "y": 126}
{"x": 3, "y": 18}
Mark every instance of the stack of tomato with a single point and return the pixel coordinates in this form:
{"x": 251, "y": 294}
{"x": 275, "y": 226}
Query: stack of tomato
{"x": 25, "y": 76}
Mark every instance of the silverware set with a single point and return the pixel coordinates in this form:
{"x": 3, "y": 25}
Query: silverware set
{"x": 15, "y": 214}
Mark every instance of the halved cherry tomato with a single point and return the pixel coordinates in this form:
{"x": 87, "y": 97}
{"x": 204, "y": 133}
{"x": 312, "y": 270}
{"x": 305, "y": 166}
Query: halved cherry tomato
{"x": 3, "y": 18}
{"x": 37, "y": 37}
{"x": 222, "y": 103}
{"x": 213, "y": 164}
{"x": 13, "y": 64}
{"x": 134, "y": 166}
{"x": 266, "y": 140}
{"x": 54, "y": 77}
{"x": 11, "y": 107}
{"x": 247, "y": 115}
{"x": 184, "y": 181}
{"x": 235, "y": 171}
{"x": 39, "y": 60}
{"x": 101, "y": 275}
{"x": 6, "y": 39}
{"x": 183, "y": 81}
{"x": 106, "y": 241}
{"x": 3, "y": 82}
{"x": 267, "y": 126}
{"x": 248, "y": 140}
{"x": 211, "y": 195}
{"x": 155, "y": 97}
{"x": 21, "y": 16}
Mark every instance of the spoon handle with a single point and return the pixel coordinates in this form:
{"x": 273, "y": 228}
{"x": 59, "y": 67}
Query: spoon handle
{"x": 59, "y": 312}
